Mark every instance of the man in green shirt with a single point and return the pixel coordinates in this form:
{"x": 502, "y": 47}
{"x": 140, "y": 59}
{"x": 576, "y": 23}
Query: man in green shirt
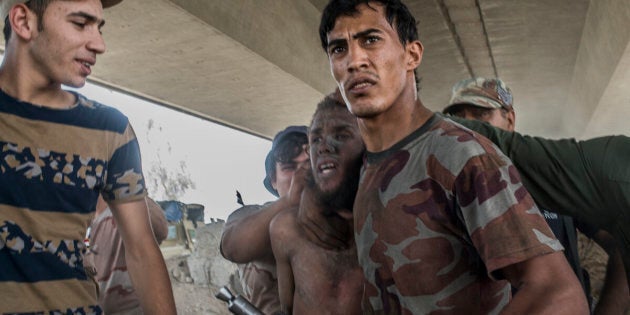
{"x": 588, "y": 180}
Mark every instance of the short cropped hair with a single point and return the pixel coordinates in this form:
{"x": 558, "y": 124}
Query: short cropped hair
{"x": 289, "y": 148}
{"x": 38, "y": 7}
{"x": 396, "y": 13}
{"x": 330, "y": 102}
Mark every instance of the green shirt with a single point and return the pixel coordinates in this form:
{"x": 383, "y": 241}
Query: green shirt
{"x": 588, "y": 180}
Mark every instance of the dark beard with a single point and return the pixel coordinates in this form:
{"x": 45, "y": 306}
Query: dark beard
{"x": 343, "y": 196}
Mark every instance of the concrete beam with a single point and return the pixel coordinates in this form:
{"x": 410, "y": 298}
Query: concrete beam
{"x": 159, "y": 50}
{"x": 600, "y": 60}
{"x": 283, "y": 32}
{"x": 611, "y": 115}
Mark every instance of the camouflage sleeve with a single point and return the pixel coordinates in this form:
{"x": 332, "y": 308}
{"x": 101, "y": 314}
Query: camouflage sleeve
{"x": 502, "y": 220}
{"x": 124, "y": 179}
{"x": 558, "y": 173}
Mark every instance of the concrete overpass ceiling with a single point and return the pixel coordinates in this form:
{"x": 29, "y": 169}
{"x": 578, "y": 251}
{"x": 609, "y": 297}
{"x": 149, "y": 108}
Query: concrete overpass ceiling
{"x": 183, "y": 56}
{"x": 257, "y": 65}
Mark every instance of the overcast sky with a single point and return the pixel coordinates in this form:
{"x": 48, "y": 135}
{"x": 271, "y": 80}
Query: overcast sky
{"x": 219, "y": 159}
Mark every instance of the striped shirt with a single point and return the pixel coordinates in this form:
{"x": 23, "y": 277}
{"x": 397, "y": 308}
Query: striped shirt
{"x": 53, "y": 165}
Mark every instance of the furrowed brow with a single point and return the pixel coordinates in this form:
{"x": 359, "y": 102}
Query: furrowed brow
{"x": 362, "y": 34}
{"x": 366, "y": 33}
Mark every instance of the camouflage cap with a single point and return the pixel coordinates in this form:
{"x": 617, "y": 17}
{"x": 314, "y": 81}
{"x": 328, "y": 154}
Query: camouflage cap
{"x": 5, "y": 5}
{"x": 487, "y": 93}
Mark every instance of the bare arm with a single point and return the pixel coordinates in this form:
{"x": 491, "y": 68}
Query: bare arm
{"x": 328, "y": 230}
{"x": 615, "y": 296}
{"x": 245, "y": 235}
{"x": 279, "y": 231}
{"x": 144, "y": 260}
{"x": 546, "y": 285}
{"x": 158, "y": 220}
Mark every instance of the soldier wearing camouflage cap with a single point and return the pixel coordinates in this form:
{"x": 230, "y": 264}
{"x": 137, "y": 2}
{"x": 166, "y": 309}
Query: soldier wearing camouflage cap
{"x": 432, "y": 205}
{"x": 488, "y": 100}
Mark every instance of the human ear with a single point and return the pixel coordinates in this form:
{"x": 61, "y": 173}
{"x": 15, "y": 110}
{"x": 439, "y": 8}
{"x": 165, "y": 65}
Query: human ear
{"x": 511, "y": 118}
{"x": 414, "y": 54}
{"x": 23, "y": 21}
{"x": 273, "y": 181}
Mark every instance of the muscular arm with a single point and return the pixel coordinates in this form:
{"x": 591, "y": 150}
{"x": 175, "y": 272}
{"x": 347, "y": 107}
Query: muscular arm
{"x": 279, "y": 231}
{"x": 615, "y": 296}
{"x": 546, "y": 285}
{"x": 245, "y": 235}
{"x": 328, "y": 230}
{"x": 144, "y": 260}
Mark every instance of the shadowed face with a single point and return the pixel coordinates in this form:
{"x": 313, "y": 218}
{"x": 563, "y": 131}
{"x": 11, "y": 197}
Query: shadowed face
{"x": 284, "y": 173}
{"x": 336, "y": 150}
{"x": 496, "y": 117}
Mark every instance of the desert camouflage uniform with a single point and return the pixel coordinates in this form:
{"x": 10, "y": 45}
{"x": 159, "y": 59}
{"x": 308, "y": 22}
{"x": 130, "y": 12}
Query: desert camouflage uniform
{"x": 116, "y": 292}
{"x": 435, "y": 216}
{"x": 53, "y": 164}
{"x": 260, "y": 280}
{"x": 260, "y": 283}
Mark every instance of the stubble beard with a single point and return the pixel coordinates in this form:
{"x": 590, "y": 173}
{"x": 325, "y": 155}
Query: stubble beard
{"x": 341, "y": 198}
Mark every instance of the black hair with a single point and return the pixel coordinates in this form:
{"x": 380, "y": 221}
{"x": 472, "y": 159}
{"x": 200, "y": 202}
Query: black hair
{"x": 288, "y": 149}
{"x": 396, "y": 13}
{"x": 38, "y": 7}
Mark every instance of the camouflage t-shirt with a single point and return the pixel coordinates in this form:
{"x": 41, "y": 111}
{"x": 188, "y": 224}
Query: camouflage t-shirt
{"x": 53, "y": 165}
{"x": 435, "y": 216}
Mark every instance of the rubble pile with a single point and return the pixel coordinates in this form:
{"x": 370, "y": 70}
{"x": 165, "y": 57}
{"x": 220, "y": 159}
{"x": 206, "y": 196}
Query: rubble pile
{"x": 196, "y": 277}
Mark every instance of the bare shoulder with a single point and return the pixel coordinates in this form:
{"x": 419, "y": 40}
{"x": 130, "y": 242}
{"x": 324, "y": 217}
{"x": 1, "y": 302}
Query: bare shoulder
{"x": 243, "y": 212}
{"x": 284, "y": 225}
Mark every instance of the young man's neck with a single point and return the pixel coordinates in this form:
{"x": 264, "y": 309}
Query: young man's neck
{"x": 29, "y": 86}
{"x": 383, "y": 131}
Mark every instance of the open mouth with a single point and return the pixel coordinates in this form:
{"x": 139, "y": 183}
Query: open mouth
{"x": 327, "y": 168}
{"x": 86, "y": 67}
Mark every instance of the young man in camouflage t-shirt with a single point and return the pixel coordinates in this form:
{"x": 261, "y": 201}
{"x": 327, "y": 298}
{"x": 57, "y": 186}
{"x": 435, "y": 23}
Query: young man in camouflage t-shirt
{"x": 441, "y": 218}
